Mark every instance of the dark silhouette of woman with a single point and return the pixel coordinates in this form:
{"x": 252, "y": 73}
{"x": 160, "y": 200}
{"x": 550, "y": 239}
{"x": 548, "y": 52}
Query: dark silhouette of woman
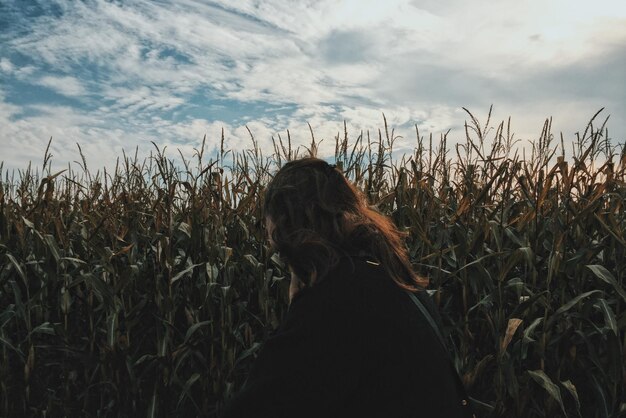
{"x": 361, "y": 336}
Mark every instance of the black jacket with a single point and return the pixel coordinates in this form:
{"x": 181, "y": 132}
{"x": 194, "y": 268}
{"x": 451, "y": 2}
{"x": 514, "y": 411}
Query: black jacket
{"x": 353, "y": 345}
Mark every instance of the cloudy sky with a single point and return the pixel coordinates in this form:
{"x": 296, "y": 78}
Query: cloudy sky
{"x": 114, "y": 75}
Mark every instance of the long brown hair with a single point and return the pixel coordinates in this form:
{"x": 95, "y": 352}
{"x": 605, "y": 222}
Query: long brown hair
{"x": 320, "y": 217}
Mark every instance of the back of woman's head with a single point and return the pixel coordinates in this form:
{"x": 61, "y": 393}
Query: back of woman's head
{"x": 317, "y": 217}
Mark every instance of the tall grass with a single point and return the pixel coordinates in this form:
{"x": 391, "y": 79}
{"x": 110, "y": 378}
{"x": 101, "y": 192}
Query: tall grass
{"x": 148, "y": 290}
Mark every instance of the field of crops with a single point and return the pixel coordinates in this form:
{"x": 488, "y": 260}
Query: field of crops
{"x": 148, "y": 290}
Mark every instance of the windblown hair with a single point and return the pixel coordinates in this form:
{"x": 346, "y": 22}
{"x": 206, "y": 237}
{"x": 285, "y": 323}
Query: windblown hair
{"x": 320, "y": 217}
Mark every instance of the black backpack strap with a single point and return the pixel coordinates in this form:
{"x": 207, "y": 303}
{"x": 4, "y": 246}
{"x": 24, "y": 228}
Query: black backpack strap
{"x": 428, "y": 317}
{"x": 465, "y": 399}
{"x": 460, "y": 387}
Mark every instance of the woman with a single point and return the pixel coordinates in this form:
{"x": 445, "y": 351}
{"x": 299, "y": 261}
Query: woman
{"x": 358, "y": 339}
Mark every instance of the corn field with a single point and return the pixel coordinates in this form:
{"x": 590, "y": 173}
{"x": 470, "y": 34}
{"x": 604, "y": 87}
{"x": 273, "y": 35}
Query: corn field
{"x": 148, "y": 290}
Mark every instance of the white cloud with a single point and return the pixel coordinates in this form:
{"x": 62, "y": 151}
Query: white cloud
{"x": 7, "y": 111}
{"x": 141, "y": 99}
{"x": 6, "y": 66}
{"x": 266, "y": 51}
{"x": 67, "y": 86}
{"x": 416, "y": 61}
